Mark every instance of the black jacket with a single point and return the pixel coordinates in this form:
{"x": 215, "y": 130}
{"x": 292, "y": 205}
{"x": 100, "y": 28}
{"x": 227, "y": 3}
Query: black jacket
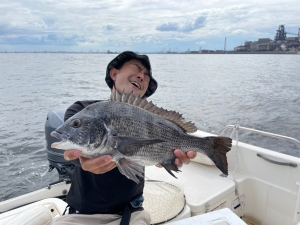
{"x": 104, "y": 193}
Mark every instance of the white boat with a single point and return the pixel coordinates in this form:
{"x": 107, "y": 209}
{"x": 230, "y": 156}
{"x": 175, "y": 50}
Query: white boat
{"x": 262, "y": 188}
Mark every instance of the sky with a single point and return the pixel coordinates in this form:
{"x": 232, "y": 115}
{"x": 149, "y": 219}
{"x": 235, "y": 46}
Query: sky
{"x": 141, "y": 25}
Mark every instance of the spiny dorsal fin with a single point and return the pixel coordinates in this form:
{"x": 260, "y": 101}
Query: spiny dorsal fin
{"x": 140, "y": 102}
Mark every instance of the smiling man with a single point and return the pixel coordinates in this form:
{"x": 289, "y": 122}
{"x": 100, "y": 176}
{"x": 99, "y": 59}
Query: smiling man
{"x": 99, "y": 193}
{"x": 132, "y": 77}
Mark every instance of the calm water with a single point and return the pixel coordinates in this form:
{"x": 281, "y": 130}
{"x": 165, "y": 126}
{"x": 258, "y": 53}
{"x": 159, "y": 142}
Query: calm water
{"x": 256, "y": 91}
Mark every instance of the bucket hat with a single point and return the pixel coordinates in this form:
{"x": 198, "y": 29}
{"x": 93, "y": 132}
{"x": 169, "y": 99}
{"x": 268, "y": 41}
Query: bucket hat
{"x": 124, "y": 57}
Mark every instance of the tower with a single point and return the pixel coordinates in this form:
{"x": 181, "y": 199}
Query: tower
{"x": 281, "y": 34}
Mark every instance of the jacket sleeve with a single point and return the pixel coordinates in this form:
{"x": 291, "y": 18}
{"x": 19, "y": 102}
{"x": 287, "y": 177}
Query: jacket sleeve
{"x": 77, "y": 107}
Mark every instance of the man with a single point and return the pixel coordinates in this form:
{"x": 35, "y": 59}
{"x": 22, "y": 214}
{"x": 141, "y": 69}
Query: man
{"x": 99, "y": 193}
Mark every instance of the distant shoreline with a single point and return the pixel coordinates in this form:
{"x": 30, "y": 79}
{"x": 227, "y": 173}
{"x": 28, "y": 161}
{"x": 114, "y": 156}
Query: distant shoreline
{"x": 233, "y": 52}
{"x": 169, "y": 53}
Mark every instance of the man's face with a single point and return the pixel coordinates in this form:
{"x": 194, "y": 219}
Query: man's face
{"x": 132, "y": 77}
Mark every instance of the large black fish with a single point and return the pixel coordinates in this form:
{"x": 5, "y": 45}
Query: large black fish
{"x": 134, "y": 131}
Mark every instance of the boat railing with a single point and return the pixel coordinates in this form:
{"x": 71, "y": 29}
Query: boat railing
{"x": 235, "y": 128}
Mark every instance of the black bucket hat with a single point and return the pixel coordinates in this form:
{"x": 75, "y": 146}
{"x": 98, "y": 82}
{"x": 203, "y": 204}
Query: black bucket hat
{"x": 124, "y": 57}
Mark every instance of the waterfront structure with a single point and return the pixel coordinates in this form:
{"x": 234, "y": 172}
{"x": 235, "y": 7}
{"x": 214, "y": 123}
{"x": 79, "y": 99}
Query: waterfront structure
{"x": 280, "y": 43}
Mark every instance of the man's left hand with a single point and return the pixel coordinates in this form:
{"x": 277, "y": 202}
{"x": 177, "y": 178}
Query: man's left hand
{"x": 182, "y": 158}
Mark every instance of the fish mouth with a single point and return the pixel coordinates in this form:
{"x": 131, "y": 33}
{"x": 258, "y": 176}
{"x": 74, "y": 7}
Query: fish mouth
{"x": 137, "y": 85}
{"x": 59, "y": 136}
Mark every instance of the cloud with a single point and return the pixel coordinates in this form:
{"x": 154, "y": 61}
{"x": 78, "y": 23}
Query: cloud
{"x": 239, "y": 31}
{"x": 201, "y": 43}
{"x": 148, "y": 24}
{"x": 188, "y": 26}
{"x": 49, "y": 39}
{"x": 170, "y": 26}
{"x": 110, "y": 27}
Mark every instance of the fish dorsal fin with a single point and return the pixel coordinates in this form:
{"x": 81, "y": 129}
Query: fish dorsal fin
{"x": 140, "y": 102}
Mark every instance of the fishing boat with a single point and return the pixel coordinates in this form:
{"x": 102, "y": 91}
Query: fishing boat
{"x": 262, "y": 187}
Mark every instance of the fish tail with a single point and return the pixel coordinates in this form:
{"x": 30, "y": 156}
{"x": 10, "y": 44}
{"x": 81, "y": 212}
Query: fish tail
{"x": 219, "y": 146}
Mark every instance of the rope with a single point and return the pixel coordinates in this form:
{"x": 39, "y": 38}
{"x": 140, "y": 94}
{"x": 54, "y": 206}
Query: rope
{"x": 236, "y": 130}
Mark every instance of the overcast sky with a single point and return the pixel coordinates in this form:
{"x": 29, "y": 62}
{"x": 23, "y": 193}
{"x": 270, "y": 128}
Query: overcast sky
{"x": 138, "y": 25}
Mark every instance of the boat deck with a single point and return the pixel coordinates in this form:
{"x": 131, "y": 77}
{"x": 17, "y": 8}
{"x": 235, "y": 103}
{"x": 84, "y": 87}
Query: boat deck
{"x": 203, "y": 185}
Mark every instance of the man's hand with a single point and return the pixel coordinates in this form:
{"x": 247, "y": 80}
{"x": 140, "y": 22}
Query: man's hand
{"x": 182, "y": 158}
{"x": 99, "y": 165}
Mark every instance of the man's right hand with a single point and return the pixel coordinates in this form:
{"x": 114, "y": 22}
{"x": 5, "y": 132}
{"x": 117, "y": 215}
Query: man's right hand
{"x": 99, "y": 165}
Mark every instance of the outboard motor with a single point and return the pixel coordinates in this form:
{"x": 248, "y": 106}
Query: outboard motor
{"x": 55, "y": 118}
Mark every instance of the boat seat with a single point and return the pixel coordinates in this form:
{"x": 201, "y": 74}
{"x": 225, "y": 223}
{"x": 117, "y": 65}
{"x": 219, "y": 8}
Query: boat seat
{"x": 204, "y": 188}
{"x": 37, "y": 213}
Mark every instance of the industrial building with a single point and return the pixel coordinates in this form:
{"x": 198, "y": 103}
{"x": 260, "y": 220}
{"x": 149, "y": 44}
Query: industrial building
{"x": 280, "y": 43}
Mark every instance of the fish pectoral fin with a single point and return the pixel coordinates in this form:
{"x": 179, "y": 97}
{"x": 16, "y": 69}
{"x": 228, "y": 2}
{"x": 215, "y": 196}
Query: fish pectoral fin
{"x": 171, "y": 166}
{"x": 131, "y": 169}
{"x": 125, "y": 142}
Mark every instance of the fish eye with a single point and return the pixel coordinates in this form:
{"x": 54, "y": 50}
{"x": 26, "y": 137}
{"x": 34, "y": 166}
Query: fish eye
{"x": 76, "y": 123}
